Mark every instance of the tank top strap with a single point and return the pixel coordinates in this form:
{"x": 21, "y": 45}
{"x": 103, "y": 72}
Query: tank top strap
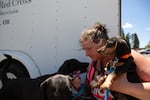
{"x": 92, "y": 71}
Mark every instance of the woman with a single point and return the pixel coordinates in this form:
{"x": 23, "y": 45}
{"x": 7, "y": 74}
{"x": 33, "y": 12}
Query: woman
{"x": 91, "y": 40}
{"x": 96, "y": 37}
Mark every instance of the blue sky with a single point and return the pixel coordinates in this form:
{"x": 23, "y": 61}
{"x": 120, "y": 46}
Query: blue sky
{"x": 136, "y": 19}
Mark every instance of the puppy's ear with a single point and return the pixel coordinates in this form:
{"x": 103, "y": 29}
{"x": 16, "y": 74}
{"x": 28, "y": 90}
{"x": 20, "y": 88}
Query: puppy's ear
{"x": 122, "y": 48}
{"x": 127, "y": 43}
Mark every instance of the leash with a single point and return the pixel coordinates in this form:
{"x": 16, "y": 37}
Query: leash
{"x": 111, "y": 69}
{"x": 79, "y": 94}
{"x": 81, "y": 91}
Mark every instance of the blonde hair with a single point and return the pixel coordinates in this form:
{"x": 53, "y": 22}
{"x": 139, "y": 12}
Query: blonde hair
{"x": 94, "y": 34}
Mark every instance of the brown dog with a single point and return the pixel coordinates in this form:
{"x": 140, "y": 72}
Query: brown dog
{"x": 122, "y": 62}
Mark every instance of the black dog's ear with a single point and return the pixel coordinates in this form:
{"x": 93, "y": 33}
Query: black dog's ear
{"x": 72, "y": 65}
{"x": 70, "y": 77}
{"x": 43, "y": 87}
{"x": 127, "y": 43}
{"x": 47, "y": 89}
{"x": 1, "y": 84}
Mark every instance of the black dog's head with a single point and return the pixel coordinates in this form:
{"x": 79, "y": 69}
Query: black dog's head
{"x": 116, "y": 47}
{"x": 57, "y": 87}
{"x": 72, "y": 65}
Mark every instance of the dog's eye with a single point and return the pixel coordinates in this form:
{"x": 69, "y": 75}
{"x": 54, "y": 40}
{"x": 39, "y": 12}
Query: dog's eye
{"x": 110, "y": 44}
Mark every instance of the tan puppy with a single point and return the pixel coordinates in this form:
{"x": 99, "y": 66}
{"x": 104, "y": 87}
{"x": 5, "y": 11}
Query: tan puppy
{"x": 120, "y": 50}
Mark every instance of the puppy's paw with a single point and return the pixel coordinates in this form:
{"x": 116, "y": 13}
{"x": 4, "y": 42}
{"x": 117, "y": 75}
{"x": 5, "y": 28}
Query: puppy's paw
{"x": 95, "y": 85}
{"x": 99, "y": 82}
{"x": 106, "y": 85}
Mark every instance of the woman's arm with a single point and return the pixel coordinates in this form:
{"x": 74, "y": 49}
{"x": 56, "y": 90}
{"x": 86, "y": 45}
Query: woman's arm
{"x": 138, "y": 90}
{"x": 143, "y": 66}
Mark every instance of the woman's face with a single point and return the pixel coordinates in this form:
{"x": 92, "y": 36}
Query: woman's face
{"x": 91, "y": 50}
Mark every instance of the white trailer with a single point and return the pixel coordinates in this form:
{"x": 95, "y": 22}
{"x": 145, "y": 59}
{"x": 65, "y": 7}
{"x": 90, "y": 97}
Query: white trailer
{"x": 40, "y": 35}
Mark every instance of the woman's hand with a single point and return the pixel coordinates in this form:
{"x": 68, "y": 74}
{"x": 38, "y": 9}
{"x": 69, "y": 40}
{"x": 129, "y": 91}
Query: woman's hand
{"x": 120, "y": 82}
{"x": 76, "y": 82}
{"x": 138, "y": 90}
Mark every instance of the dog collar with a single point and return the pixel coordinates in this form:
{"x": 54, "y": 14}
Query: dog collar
{"x": 126, "y": 56}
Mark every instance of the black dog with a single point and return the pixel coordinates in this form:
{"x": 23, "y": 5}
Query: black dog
{"x": 22, "y": 89}
{"x": 120, "y": 50}
{"x": 18, "y": 89}
{"x": 71, "y": 65}
{"x": 47, "y": 87}
{"x": 57, "y": 87}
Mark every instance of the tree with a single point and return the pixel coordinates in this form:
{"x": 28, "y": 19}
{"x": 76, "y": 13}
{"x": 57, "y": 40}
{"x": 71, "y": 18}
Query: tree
{"x": 122, "y": 33}
{"x": 127, "y": 37}
{"x": 134, "y": 41}
{"x": 148, "y": 45}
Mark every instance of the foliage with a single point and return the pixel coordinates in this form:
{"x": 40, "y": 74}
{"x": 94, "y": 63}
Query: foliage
{"x": 131, "y": 38}
{"x": 148, "y": 45}
{"x": 122, "y": 33}
{"x": 135, "y": 40}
